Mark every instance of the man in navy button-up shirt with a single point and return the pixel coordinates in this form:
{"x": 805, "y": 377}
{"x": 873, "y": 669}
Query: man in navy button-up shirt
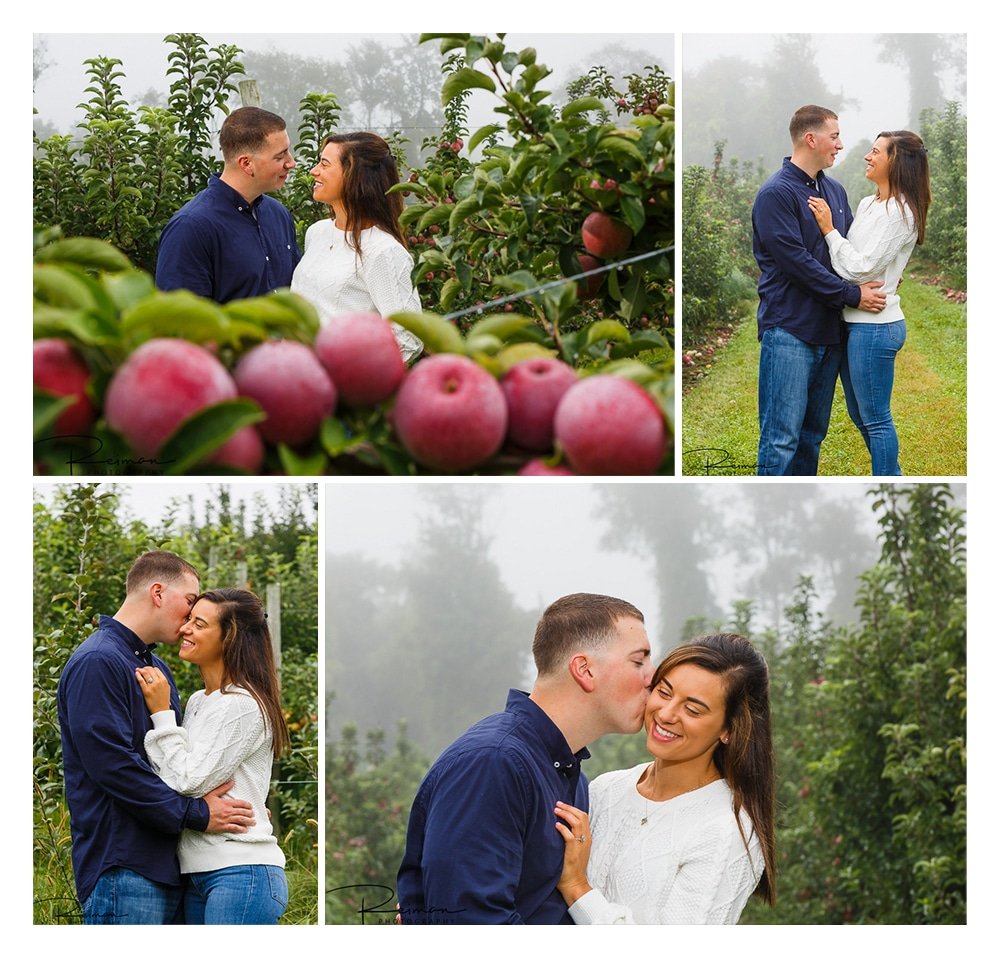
{"x": 124, "y": 821}
{"x": 231, "y": 241}
{"x": 799, "y": 318}
{"x": 481, "y": 845}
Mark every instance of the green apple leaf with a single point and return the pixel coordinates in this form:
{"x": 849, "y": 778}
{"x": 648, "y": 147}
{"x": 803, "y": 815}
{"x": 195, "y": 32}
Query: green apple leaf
{"x": 86, "y": 252}
{"x": 296, "y": 464}
{"x": 198, "y": 436}
{"x": 436, "y": 333}
{"x": 465, "y": 79}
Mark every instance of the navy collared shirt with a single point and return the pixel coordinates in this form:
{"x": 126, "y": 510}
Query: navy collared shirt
{"x": 220, "y": 246}
{"x": 481, "y": 845}
{"x": 799, "y": 290}
{"x": 121, "y": 812}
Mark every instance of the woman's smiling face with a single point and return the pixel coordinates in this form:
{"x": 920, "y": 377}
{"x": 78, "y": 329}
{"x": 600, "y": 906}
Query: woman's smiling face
{"x": 201, "y": 635}
{"x": 685, "y": 714}
{"x": 877, "y": 161}
{"x": 328, "y": 175}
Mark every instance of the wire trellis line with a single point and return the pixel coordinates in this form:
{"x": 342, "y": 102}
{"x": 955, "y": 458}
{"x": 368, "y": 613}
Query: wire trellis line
{"x": 552, "y": 284}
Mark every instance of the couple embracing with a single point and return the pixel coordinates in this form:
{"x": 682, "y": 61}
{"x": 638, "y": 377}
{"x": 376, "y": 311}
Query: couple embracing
{"x": 828, "y": 301}
{"x": 168, "y": 820}
{"x": 505, "y": 829}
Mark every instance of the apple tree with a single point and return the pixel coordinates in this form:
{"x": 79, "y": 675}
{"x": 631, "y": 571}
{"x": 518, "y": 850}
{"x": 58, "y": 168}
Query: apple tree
{"x": 515, "y": 219}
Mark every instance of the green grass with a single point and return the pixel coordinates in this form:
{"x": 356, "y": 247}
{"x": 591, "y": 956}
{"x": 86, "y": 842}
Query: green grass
{"x": 719, "y": 412}
{"x": 54, "y": 897}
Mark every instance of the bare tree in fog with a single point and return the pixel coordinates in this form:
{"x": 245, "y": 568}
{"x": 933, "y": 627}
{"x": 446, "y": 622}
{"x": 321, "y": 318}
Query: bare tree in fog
{"x": 748, "y": 105}
{"x": 436, "y": 639}
{"x": 765, "y": 536}
{"x": 925, "y": 57}
{"x": 668, "y": 528}
{"x": 284, "y": 78}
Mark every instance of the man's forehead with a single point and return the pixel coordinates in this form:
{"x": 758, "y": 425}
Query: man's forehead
{"x": 633, "y": 633}
{"x": 278, "y": 141}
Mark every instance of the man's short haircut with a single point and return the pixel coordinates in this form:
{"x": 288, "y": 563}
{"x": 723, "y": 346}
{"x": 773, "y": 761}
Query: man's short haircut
{"x": 578, "y": 621}
{"x": 157, "y": 566}
{"x": 246, "y": 130}
{"x": 807, "y": 118}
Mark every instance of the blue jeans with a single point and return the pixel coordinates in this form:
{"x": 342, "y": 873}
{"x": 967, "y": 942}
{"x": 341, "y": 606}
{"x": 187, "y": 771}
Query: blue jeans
{"x": 867, "y": 371}
{"x": 123, "y": 897}
{"x": 794, "y": 398}
{"x": 238, "y": 895}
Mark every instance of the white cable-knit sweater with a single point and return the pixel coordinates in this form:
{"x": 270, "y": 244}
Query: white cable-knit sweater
{"x": 337, "y": 281}
{"x": 686, "y": 866}
{"x": 224, "y": 737}
{"x": 877, "y": 247}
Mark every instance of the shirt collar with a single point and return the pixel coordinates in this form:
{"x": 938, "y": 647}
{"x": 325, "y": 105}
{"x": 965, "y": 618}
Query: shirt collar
{"x": 131, "y": 641}
{"x": 813, "y": 182}
{"x": 231, "y": 196}
{"x": 548, "y": 733}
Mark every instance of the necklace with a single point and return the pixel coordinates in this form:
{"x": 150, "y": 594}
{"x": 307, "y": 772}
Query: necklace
{"x": 652, "y": 788}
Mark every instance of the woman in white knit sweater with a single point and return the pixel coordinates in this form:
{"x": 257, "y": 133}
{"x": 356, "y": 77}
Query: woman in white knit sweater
{"x": 688, "y": 837}
{"x": 886, "y": 227}
{"x": 356, "y": 261}
{"x": 232, "y": 731}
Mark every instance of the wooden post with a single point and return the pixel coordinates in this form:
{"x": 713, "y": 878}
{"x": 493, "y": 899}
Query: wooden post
{"x": 273, "y": 606}
{"x": 241, "y": 575}
{"x": 249, "y": 93}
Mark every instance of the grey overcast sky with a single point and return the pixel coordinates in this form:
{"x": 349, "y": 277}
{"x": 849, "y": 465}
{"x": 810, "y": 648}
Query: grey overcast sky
{"x": 144, "y": 58}
{"x": 848, "y": 62}
{"x": 545, "y": 536}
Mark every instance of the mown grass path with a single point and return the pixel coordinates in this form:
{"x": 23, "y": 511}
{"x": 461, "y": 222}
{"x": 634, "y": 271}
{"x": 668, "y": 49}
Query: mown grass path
{"x": 719, "y": 430}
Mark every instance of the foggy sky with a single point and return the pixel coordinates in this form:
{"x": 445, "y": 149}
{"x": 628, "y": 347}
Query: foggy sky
{"x": 546, "y": 537}
{"x": 144, "y": 57}
{"x": 848, "y": 63}
{"x": 148, "y": 500}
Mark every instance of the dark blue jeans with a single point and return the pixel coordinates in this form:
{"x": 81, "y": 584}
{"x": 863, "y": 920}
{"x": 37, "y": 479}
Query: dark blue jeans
{"x": 794, "y": 398}
{"x": 238, "y": 895}
{"x": 867, "y": 371}
{"x": 123, "y": 897}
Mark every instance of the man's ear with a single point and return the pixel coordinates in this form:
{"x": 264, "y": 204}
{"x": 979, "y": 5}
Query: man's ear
{"x": 245, "y": 163}
{"x": 156, "y": 593}
{"x": 581, "y": 671}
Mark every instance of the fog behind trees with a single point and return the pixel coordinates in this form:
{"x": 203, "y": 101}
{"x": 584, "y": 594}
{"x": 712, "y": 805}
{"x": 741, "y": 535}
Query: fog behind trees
{"x": 743, "y": 89}
{"x": 433, "y": 590}
{"x": 383, "y": 82}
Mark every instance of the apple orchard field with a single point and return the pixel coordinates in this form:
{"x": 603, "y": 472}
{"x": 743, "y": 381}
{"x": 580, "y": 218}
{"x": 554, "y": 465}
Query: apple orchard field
{"x": 544, "y": 266}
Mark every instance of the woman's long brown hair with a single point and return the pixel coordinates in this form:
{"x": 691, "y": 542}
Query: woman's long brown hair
{"x": 909, "y": 175}
{"x": 746, "y": 761}
{"x": 248, "y": 656}
{"x": 369, "y": 171}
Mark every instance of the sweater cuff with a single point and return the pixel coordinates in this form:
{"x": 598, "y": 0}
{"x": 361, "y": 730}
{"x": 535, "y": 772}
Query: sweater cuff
{"x": 164, "y": 720}
{"x": 588, "y": 908}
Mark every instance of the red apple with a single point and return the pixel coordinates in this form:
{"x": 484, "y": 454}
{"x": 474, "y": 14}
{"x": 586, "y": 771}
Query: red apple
{"x": 588, "y": 287}
{"x": 533, "y": 388}
{"x": 244, "y": 450}
{"x": 605, "y": 236}
{"x": 450, "y": 413}
{"x": 537, "y": 467}
{"x": 289, "y": 383}
{"x": 609, "y": 426}
{"x": 59, "y": 369}
{"x": 360, "y": 353}
{"x": 160, "y": 385}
